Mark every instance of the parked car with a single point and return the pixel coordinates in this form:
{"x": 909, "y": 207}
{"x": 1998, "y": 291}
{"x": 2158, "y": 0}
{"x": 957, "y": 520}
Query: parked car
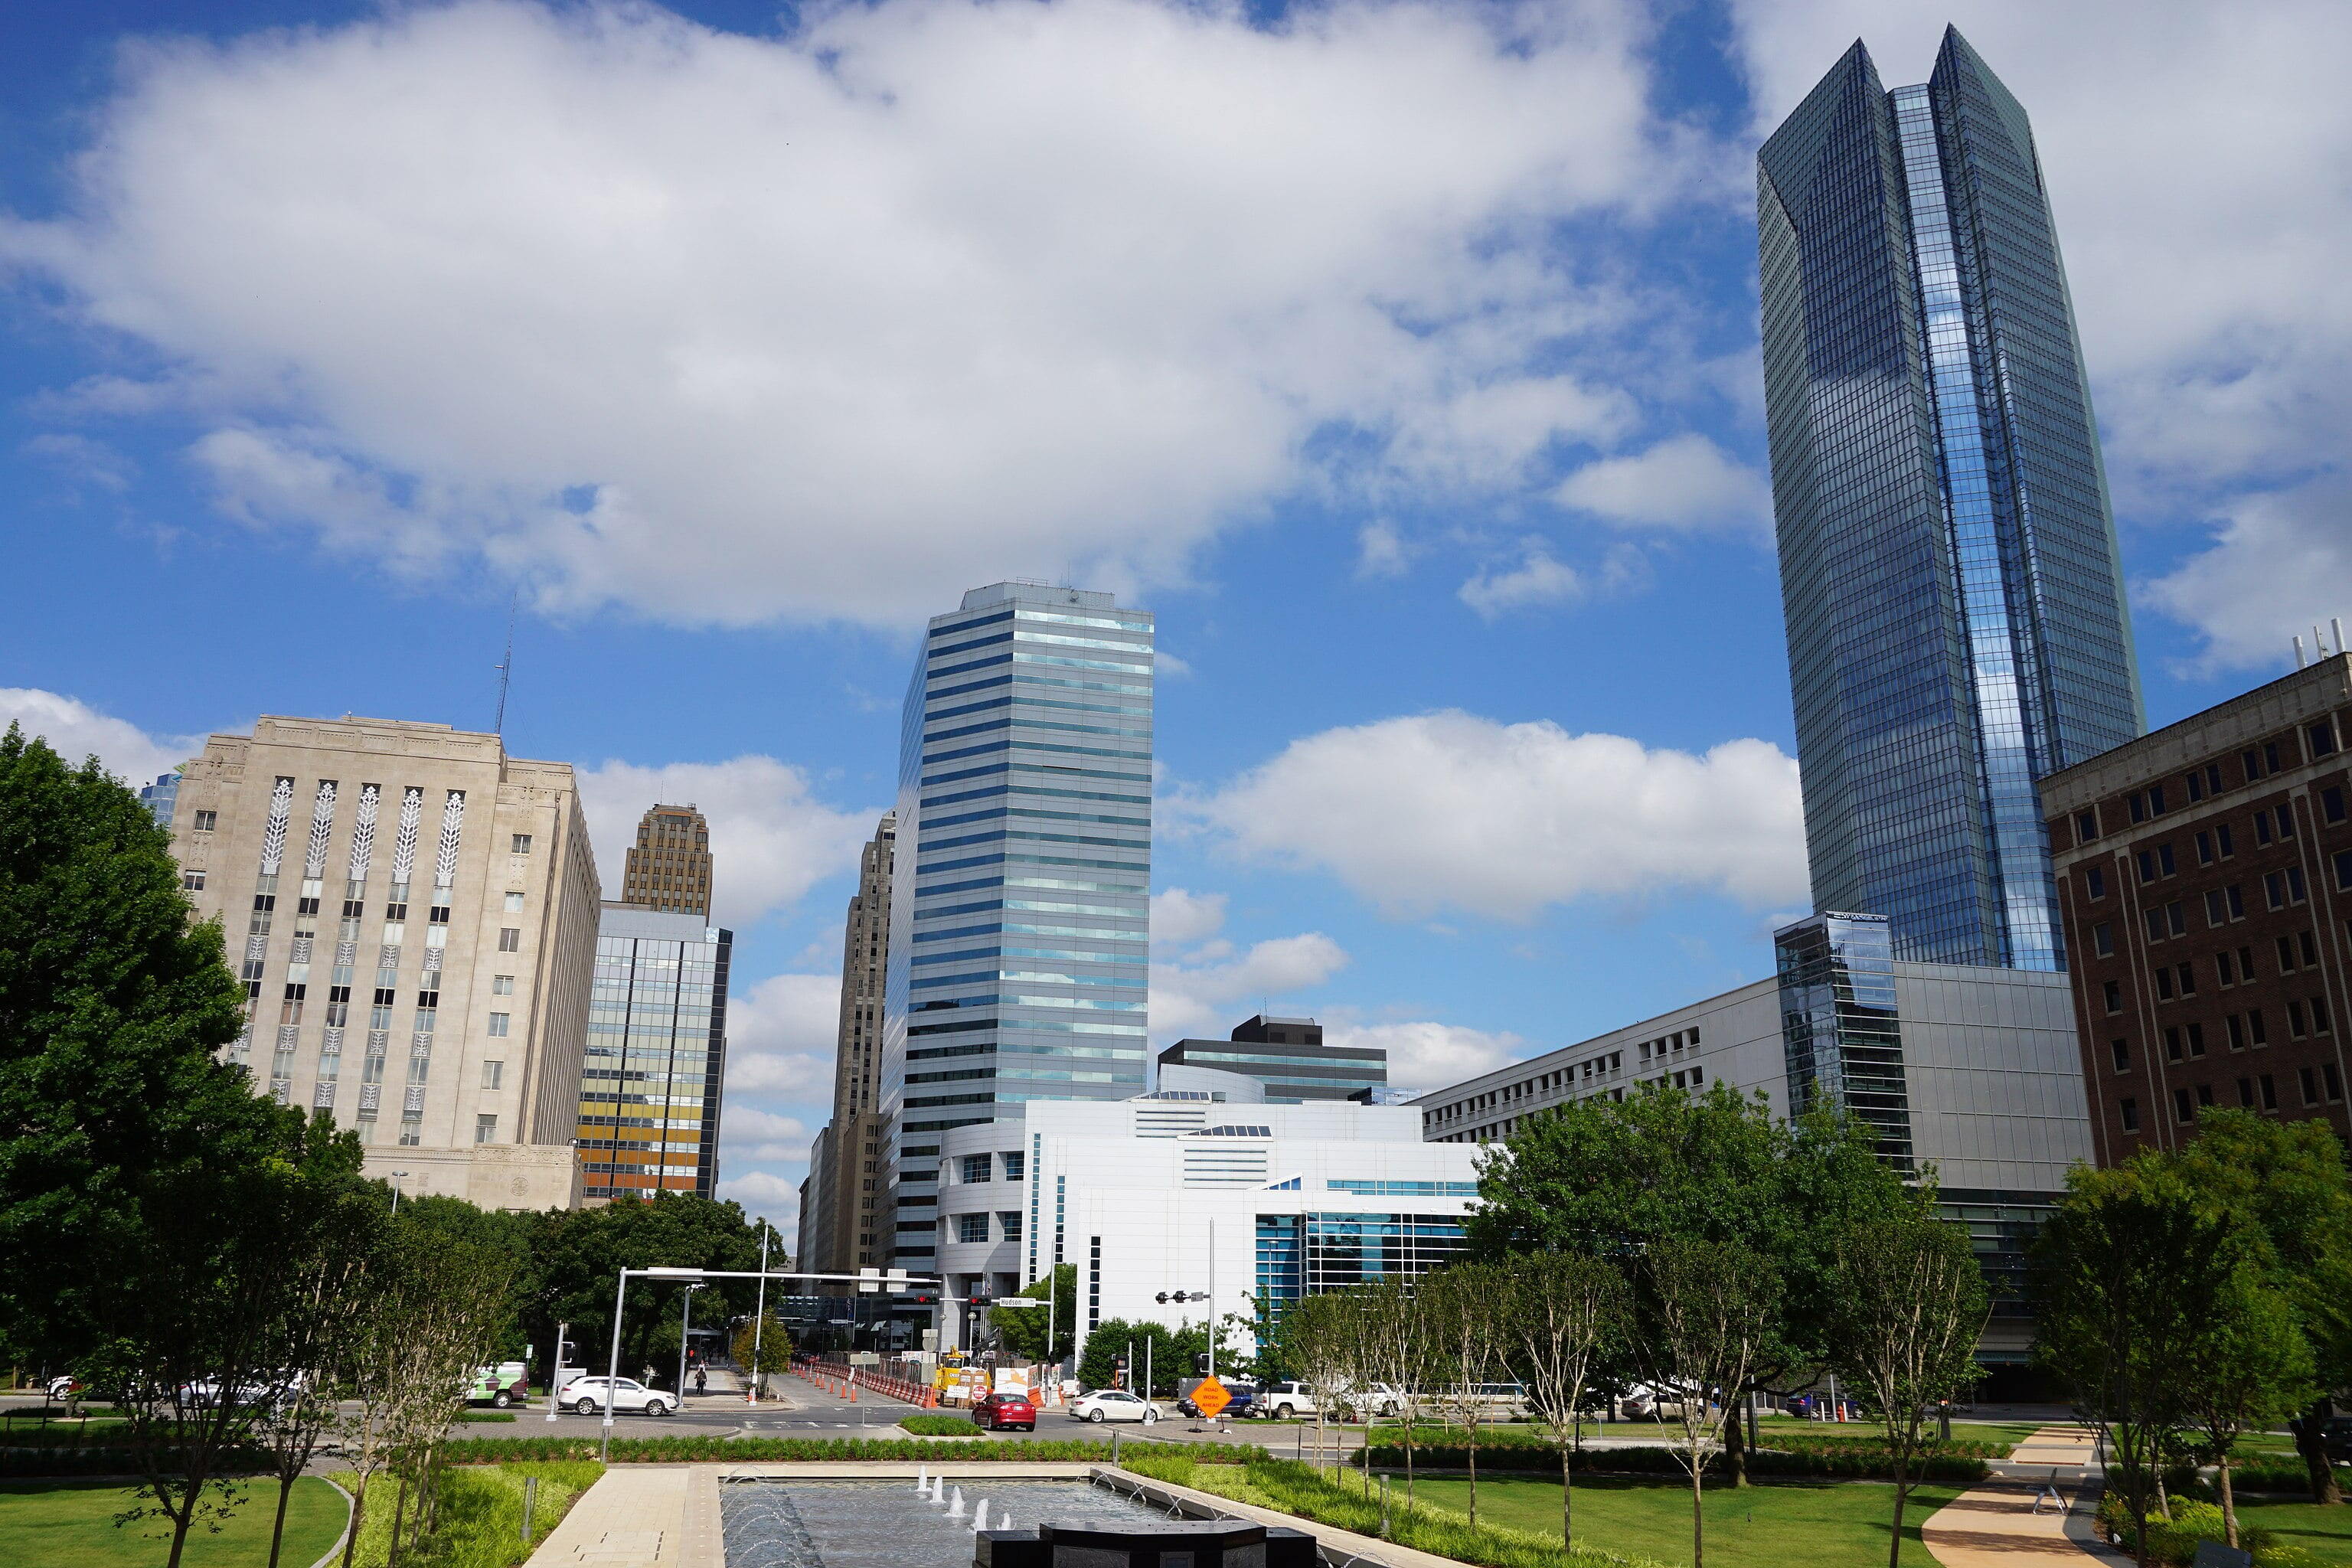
{"x": 586, "y": 1395}
{"x": 65, "y": 1385}
{"x": 1005, "y": 1410}
{"x": 205, "y": 1393}
{"x": 1379, "y": 1401}
{"x": 1112, "y": 1405}
{"x": 1284, "y": 1400}
{"x": 507, "y": 1382}
{"x": 1242, "y": 1398}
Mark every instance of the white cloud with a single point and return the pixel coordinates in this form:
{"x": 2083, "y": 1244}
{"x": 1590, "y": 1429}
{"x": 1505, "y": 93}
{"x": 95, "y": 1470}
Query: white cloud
{"x": 1381, "y": 551}
{"x": 1451, "y": 810}
{"x": 1205, "y": 1000}
{"x": 75, "y": 730}
{"x": 2196, "y": 159}
{"x": 1179, "y": 918}
{"x": 1685, "y": 483}
{"x": 705, "y": 325}
{"x": 763, "y": 1137}
{"x": 770, "y": 840}
{"x": 1425, "y": 1056}
{"x": 1537, "y": 580}
{"x": 763, "y": 1193}
{"x": 2281, "y": 565}
{"x": 780, "y": 1038}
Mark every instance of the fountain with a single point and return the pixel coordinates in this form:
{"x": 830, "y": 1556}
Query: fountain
{"x": 922, "y": 1481}
{"x": 980, "y": 1516}
{"x": 955, "y": 1509}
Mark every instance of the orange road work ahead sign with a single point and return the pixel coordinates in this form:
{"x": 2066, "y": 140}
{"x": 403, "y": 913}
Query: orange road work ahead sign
{"x": 1210, "y": 1397}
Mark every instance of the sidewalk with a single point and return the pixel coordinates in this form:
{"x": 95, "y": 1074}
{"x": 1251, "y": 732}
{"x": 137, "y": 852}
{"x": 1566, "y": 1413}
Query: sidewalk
{"x": 641, "y": 1516}
{"x": 1997, "y": 1526}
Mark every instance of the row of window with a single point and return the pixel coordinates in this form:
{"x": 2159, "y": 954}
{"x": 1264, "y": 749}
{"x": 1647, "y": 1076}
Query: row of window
{"x": 2320, "y": 1084}
{"x": 2306, "y": 1017}
{"x": 973, "y": 1227}
{"x": 2255, "y": 763}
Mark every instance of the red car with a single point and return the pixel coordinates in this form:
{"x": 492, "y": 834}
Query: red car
{"x": 999, "y": 1411}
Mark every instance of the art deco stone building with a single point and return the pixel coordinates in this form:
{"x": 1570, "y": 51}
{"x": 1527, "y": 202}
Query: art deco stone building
{"x": 844, "y": 1216}
{"x": 414, "y": 914}
{"x": 669, "y": 867}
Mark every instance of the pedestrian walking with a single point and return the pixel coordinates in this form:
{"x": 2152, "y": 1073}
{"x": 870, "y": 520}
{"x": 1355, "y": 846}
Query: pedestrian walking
{"x": 701, "y": 1380}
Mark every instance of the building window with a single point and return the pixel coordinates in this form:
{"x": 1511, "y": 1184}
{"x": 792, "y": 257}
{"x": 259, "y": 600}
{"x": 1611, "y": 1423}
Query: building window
{"x": 2344, "y": 870}
{"x": 2269, "y": 1093}
{"x": 193, "y": 881}
{"x": 2196, "y": 786}
{"x": 411, "y": 1131}
{"x": 494, "y": 1075}
{"x": 2246, "y": 1092}
{"x": 2184, "y": 1109}
{"x": 2335, "y": 1081}
{"x": 2295, "y": 1019}
{"x": 2251, "y": 762}
{"x": 2226, "y": 966}
{"x": 2319, "y": 1015}
{"x": 2204, "y": 849}
{"x": 1016, "y": 1164}
{"x": 2087, "y": 825}
{"x": 2331, "y": 803}
{"x": 2310, "y": 1081}
{"x": 501, "y": 985}
{"x": 975, "y": 1168}
{"x": 2163, "y": 984}
{"x": 2131, "y": 1114}
{"x": 2122, "y": 1050}
{"x": 1009, "y": 1222}
{"x": 2237, "y": 1027}
{"x": 2222, "y": 840}
{"x": 207, "y": 821}
{"x": 510, "y": 939}
{"x": 2139, "y": 804}
{"x": 486, "y": 1129}
{"x": 2196, "y": 1039}
{"x": 522, "y": 845}
{"x": 2322, "y": 737}
{"x": 2114, "y": 995}
{"x": 2095, "y": 881}
{"x": 2187, "y": 973}
{"x": 514, "y": 904}
{"x": 498, "y": 1021}
{"x": 971, "y": 1227}
{"x": 2256, "y": 1030}
{"x": 2148, "y": 866}
{"x": 2172, "y": 1045}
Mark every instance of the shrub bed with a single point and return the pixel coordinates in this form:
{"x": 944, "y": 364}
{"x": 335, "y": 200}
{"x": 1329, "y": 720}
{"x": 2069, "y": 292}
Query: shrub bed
{"x": 2174, "y": 1542}
{"x": 939, "y": 1426}
{"x": 729, "y": 1450}
{"x": 108, "y": 1459}
{"x": 1838, "y": 1461}
{"x": 1301, "y": 1490}
{"x": 480, "y": 1520}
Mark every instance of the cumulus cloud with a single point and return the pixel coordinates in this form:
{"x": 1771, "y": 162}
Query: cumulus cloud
{"x": 2197, "y": 167}
{"x": 1537, "y": 579}
{"x": 75, "y": 730}
{"x": 1425, "y": 1056}
{"x": 780, "y": 1037}
{"x": 1683, "y": 483}
{"x": 751, "y": 1133}
{"x": 1179, "y": 917}
{"x": 1205, "y": 1000}
{"x": 1450, "y": 810}
{"x": 771, "y": 839}
{"x": 1381, "y": 551}
{"x": 2281, "y": 565}
{"x": 704, "y": 324}
{"x": 764, "y": 1194}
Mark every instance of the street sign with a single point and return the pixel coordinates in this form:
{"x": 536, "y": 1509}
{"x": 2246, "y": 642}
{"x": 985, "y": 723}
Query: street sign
{"x": 1210, "y": 1397}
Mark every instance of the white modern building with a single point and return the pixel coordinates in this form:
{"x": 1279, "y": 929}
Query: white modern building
{"x": 1224, "y": 1198}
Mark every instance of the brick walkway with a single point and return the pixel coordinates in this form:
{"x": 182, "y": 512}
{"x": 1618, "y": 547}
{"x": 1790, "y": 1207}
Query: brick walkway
{"x": 1998, "y": 1526}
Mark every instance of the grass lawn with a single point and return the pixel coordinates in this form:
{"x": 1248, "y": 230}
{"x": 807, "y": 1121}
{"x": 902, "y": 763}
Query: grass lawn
{"x": 1779, "y": 1526}
{"x": 70, "y": 1524}
{"x": 2322, "y": 1530}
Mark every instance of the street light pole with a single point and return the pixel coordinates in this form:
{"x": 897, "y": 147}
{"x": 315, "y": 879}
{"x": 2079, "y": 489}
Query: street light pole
{"x": 398, "y": 1177}
{"x": 613, "y": 1371}
{"x": 760, "y": 1313}
{"x": 685, "y": 1322}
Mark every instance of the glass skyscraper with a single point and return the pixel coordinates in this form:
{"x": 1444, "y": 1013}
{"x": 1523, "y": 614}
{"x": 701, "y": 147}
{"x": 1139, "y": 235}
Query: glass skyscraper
{"x": 656, "y": 1058}
{"x": 1020, "y": 906}
{"x": 1956, "y": 617}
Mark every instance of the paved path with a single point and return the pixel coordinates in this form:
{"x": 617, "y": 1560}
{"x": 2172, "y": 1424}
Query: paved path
{"x": 2012, "y": 1524}
{"x": 641, "y": 1516}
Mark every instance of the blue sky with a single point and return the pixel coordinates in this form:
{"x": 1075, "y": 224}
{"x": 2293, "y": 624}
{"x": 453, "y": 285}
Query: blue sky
{"x": 1401, "y": 358}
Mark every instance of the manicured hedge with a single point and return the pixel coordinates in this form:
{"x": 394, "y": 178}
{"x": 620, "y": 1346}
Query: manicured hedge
{"x": 115, "y": 1459}
{"x": 734, "y": 1451}
{"x": 1843, "y": 1462}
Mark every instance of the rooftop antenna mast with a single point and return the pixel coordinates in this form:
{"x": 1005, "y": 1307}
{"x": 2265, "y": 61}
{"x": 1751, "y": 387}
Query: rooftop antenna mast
{"x": 506, "y": 669}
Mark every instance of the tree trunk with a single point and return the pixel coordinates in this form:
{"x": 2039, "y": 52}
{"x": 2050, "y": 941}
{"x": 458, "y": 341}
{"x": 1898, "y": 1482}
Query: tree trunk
{"x": 2310, "y": 1442}
{"x": 277, "y": 1526}
{"x": 2229, "y": 1506}
{"x": 1408, "y": 1455}
{"x": 399, "y": 1515}
{"x": 1735, "y": 1447}
{"x": 1472, "y": 1429}
{"x": 359, "y": 1513}
{"x": 1699, "y": 1521}
{"x": 1902, "y": 1495}
{"x": 1567, "y": 1498}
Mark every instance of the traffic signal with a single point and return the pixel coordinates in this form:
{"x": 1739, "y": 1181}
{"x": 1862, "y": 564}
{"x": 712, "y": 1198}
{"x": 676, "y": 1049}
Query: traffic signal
{"x": 1201, "y": 1362}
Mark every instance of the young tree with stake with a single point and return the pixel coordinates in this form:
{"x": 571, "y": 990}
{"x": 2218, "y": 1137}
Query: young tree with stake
{"x": 1711, "y": 1308}
{"x": 1457, "y": 1307}
{"x": 1562, "y": 1314}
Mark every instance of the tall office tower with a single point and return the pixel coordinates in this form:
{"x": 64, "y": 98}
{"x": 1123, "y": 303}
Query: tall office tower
{"x": 1019, "y": 910}
{"x": 657, "y": 1061}
{"x": 1955, "y": 605}
{"x": 669, "y": 867}
{"x": 414, "y": 914}
{"x": 842, "y": 1211}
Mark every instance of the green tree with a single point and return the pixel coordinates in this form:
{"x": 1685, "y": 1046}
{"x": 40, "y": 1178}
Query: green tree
{"x": 1608, "y": 1178}
{"x": 2247, "y": 1365}
{"x": 1466, "y": 1342}
{"x": 1909, "y": 1304}
{"x": 573, "y": 1259}
{"x": 1023, "y": 1328}
{"x": 1562, "y": 1314}
{"x": 1711, "y": 1306}
{"x": 2126, "y": 1270}
{"x": 764, "y": 1346}
{"x": 2289, "y": 1180}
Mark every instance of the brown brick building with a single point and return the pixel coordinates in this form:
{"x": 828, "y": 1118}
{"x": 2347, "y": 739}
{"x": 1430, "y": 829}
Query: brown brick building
{"x": 2205, "y": 878}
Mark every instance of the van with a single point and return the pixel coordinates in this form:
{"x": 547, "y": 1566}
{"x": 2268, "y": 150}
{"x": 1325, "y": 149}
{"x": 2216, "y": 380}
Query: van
{"x": 504, "y": 1384}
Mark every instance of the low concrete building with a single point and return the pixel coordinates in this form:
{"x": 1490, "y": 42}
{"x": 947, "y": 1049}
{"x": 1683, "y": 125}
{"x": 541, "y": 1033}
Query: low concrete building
{"x": 1174, "y": 1192}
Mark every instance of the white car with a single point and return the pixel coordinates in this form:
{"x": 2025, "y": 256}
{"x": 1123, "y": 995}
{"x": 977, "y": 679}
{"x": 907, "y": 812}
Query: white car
{"x": 1285, "y": 1400}
{"x": 1112, "y": 1405}
{"x": 586, "y": 1395}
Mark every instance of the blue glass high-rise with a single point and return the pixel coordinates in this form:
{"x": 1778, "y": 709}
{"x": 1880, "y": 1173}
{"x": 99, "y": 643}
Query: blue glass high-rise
{"x": 1956, "y": 617}
{"x": 1020, "y": 896}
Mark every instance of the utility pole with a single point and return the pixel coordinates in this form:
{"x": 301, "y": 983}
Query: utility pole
{"x": 760, "y": 1313}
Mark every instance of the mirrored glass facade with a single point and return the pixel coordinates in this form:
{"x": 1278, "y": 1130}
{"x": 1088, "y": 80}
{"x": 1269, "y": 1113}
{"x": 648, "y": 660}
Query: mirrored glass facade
{"x": 1020, "y": 909}
{"x": 650, "y": 1090}
{"x": 1955, "y": 620}
{"x": 1840, "y": 1025}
